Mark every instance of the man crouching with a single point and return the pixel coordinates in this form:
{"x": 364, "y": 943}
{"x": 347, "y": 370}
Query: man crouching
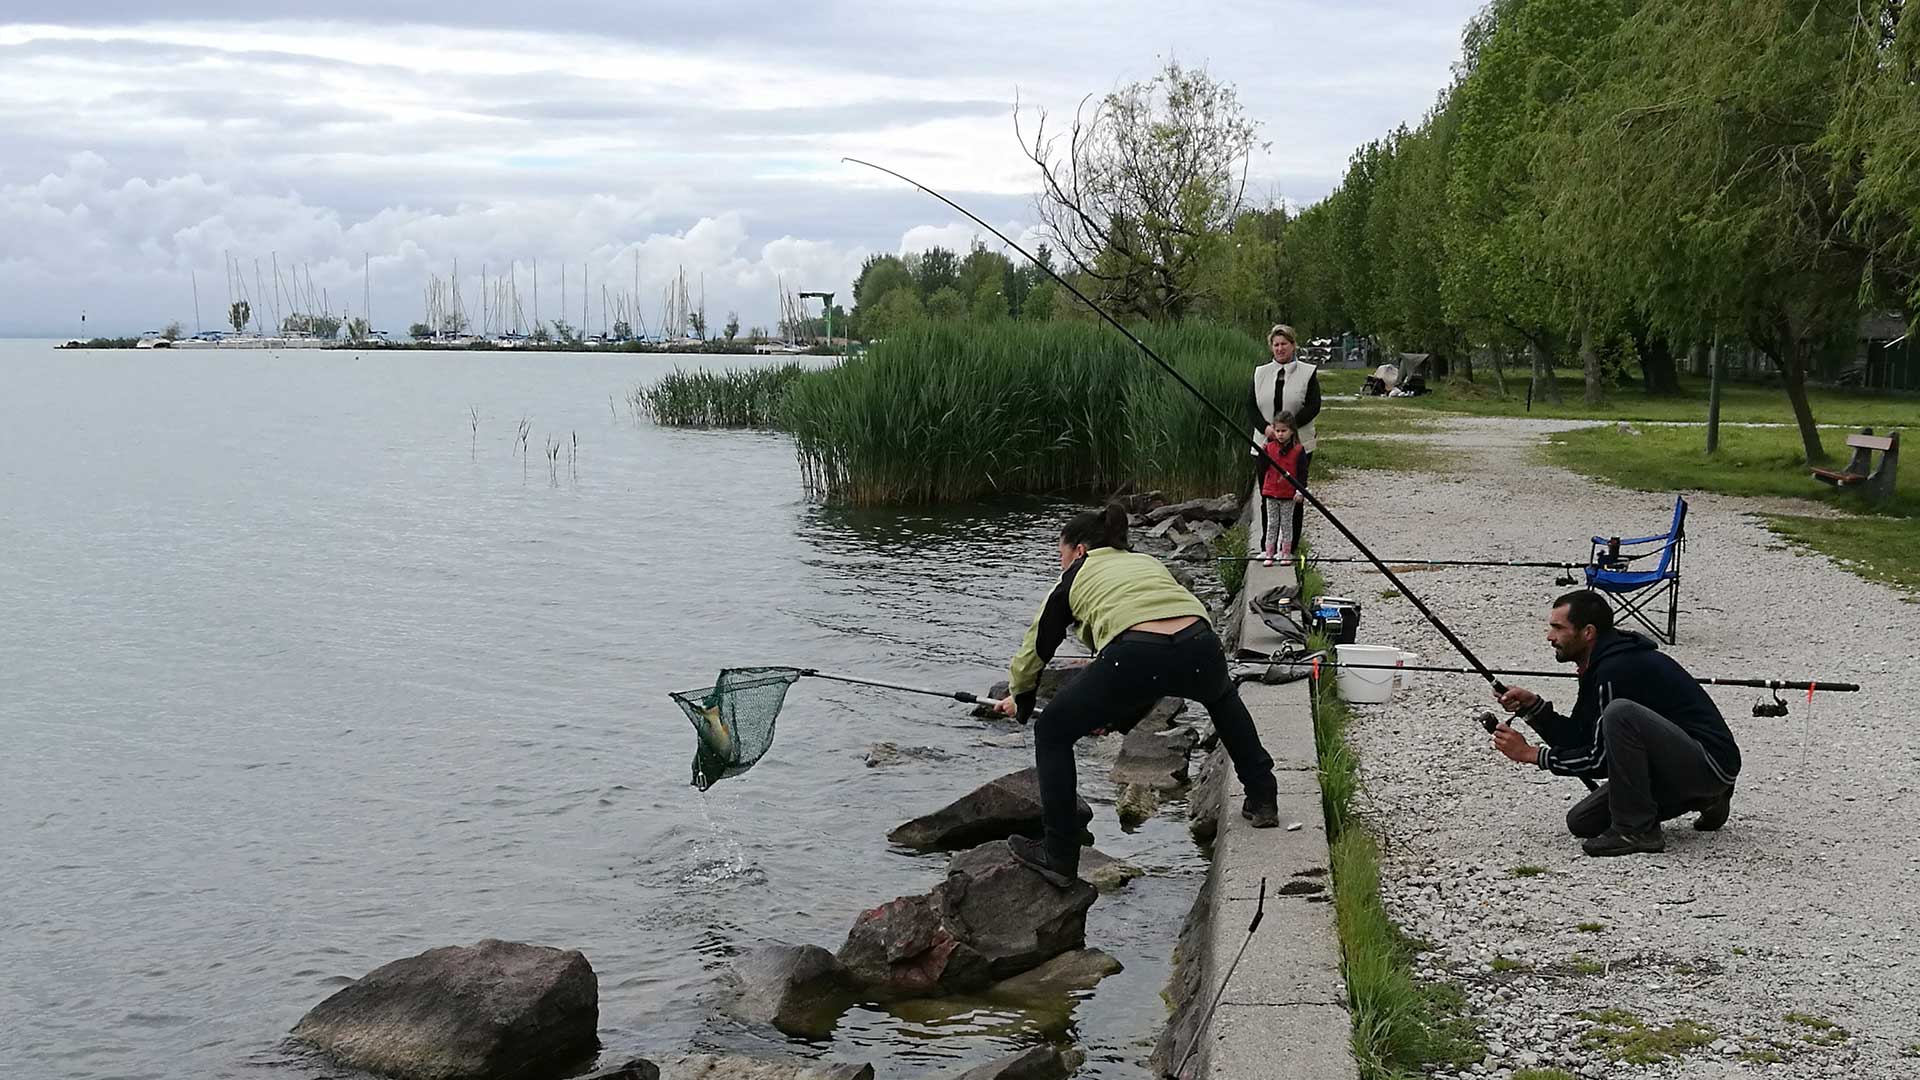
{"x": 1640, "y": 722}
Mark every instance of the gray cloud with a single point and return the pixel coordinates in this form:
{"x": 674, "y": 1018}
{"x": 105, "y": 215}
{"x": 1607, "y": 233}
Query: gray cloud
{"x": 133, "y": 152}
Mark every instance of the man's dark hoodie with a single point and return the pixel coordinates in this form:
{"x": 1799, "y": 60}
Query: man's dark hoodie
{"x": 1626, "y": 665}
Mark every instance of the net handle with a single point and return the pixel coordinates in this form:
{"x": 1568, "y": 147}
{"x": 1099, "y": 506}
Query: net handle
{"x": 961, "y": 696}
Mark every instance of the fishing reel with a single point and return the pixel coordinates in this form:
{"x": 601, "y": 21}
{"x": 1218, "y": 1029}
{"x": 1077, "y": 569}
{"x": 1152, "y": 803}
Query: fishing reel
{"x": 1490, "y": 722}
{"x": 1776, "y": 707}
{"x": 1566, "y": 579}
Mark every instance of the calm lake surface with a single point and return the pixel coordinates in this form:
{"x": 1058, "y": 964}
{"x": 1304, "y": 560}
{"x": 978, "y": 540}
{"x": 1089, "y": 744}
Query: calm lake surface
{"x": 302, "y": 675}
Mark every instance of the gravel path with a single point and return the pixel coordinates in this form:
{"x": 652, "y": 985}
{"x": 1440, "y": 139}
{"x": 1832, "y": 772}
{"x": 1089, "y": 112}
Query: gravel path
{"x": 1807, "y": 903}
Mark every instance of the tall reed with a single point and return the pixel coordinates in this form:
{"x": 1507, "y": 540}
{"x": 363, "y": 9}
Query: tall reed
{"x": 946, "y": 412}
{"x": 735, "y": 398}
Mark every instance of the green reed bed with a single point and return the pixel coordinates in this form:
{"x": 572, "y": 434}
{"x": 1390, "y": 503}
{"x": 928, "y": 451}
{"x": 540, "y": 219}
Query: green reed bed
{"x": 950, "y": 412}
{"x": 734, "y": 398}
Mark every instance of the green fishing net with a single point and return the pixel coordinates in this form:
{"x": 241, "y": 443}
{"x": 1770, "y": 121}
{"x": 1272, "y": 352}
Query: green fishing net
{"x": 734, "y": 719}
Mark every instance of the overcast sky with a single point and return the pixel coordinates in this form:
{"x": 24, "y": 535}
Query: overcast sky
{"x": 133, "y": 152}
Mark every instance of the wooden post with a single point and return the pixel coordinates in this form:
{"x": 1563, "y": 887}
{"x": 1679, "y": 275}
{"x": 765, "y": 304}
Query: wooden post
{"x": 1713, "y": 396}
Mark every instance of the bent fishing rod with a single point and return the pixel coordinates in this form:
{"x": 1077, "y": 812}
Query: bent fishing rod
{"x": 1231, "y": 424}
{"x": 961, "y": 696}
{"x": 1809, "y": 685}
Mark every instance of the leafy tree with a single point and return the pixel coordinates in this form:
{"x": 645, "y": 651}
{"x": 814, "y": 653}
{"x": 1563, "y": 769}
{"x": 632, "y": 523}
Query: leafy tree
{"x": 173, "y": 331}
{"x": 896, "y": 310}
{"x": 933, "y": 269}
{"x": 947, "y": 304}
{"x": 733, "y": 325}
{"x": 989, "y": 303}
{"x": 1040, "y": 302}
{"x": 358, "y": 329}
{"x": 622, "y": 330}
{"x": 1138, "y": 192}
{"x": 538, "y": 334}
{"x": 238, "y": 313}
{"x": 421, "y": 331}
{"x": 565, "y": 334}
{"x": 697, "y": 324}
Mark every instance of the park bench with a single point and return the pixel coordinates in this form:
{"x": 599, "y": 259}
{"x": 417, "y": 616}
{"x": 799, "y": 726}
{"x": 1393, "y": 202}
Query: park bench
{"x": 1877, "y": 483}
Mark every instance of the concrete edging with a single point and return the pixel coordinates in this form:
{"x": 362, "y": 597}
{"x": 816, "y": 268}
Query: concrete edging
{"x": 1284, "y": 1014}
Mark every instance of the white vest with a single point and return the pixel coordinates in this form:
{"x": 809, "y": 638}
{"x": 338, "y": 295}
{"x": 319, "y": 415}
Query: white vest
{"x": 1292, "y": 398}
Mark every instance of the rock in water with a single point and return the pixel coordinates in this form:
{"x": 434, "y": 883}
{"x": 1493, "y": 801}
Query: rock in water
{"x": 992, "y": 918}
{"x": 712, "y": 1067}
{"x": 636, "y": 1069}
{"x": 464, "y": 1012}
{"x": 994, "y": 811}
{"x": 1104, "y": 872}
{"x": 1081, "y": 969}
{"x": 1155, "y": 751}
{"x": 800, "y": 989}
{"x": 882, "y": 754}
{"x": 1033, "y": 1063}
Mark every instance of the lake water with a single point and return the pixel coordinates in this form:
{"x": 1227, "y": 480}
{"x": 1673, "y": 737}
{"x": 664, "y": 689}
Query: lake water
{"x": 302, "y": 675}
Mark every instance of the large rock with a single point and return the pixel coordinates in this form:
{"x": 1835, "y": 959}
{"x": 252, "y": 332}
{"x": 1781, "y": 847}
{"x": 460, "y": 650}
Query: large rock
{"x": 800, "y": 989}
{"x": 713, "y": 1067}
{"x": 1224, "y": 510}
{"x": 467, "y": 1012}
{"x": 634, "y": 1069}
{"x": 1081, "y": 969}
{"x": 1106, "y": 873}
{"x": 1033, "y": 1063}
{"x": 1154, "y": 753}
{"x": 993, "y": 811}
{"x": 991, "y": 919}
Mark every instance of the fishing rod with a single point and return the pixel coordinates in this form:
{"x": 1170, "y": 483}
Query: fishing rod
{"x": 1809, "y": 685}
{"x": 955, "y": 695}
{"x": 1426, "y": 562}
{"x": 1232, "y": 425}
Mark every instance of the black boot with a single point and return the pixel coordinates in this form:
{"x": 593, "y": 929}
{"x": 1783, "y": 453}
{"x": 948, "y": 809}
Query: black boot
{"x": 1714, "y": 814}
{"x": 1615, "y": 842}
{"x": 1032, "y": 854}
{"x": 1264, "y": 815}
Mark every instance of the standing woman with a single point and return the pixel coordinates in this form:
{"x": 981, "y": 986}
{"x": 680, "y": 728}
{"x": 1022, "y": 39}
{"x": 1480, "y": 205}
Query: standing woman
{"x": 1151, "y": 640}
{"x": 1284, "y": 384}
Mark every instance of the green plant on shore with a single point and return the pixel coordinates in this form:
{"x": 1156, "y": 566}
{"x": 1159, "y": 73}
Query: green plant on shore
{"x": 1820, "y": 1031}
{"x": 1507, "y": 963}
{"x": 1400, "y": 1025}
{"x": 1542, "y": 1074}
{"x": 1622, "y": 1036}
{"x": 735, "y": 398}
{"x": 1526, "y": 871}
{"x": 1591, "y": 927}
{"x": 1231, "y": 549}
{"x": 943, "y": 412}
{"x": 1586, "y": 965}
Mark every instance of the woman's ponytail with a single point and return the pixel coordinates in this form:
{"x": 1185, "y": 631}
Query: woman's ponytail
{"x": 1101, "y": 528}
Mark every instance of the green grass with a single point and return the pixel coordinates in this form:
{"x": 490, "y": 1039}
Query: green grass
{"x": 1878, "y": 549}
{"x": 1231, "y": 548}
{"x": 1400, "y": 1025}
{"x": 1883, "y": 545}
{"x": 1587, "y": 965}
{"x": 1370, "y": 418}
{"x": 1622, "y": 1036}
{"x": 946, "y": 412}
{"x": 1591, "y": 927}
{"x": 1760, "y": 1055}
{"x": 1820, "y": 1031}
{"x": 1526, "y": 871}
{"x": 1911, "y": 1050}
{"x": 1337, "y": 455}
{"x": 735, "y": 398}
{"x": 1542, "y": 1074}
{"x": 1505, "y": 964}
{"x": 1740, "y": 403}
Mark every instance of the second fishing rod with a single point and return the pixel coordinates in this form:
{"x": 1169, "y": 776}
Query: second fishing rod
{"x": 1231, "y": 424}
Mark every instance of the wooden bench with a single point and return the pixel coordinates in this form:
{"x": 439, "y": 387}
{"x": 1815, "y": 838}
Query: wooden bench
{"x": 1877, "y": 483}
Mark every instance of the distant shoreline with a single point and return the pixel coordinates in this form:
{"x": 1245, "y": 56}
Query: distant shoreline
{"x": 716, "y": 348}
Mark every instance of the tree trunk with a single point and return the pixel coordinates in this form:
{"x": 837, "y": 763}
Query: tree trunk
{"x": 1543, "y": 380}
{"x": 1794, "y": 374}
{"x": 1658, "y": 374}
{"x": 1466, "y": 364}
{"x": 1498, "y": 357}
{"x": 1590, "y": 363}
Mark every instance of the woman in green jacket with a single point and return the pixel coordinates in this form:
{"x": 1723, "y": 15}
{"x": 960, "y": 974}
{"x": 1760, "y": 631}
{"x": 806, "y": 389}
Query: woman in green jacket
{"x": 1152, "y": 640}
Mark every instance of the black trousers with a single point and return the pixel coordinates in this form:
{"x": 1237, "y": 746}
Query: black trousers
{"x": 1655, "y": 771}
{"x": 1135, "y": 670}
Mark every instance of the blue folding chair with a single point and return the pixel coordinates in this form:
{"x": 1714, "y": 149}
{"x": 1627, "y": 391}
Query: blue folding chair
{"x": 1609, "y": 571}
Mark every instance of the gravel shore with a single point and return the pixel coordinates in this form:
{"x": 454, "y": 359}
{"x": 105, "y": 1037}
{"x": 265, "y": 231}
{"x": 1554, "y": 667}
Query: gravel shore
{"x": 1785, "y": 945}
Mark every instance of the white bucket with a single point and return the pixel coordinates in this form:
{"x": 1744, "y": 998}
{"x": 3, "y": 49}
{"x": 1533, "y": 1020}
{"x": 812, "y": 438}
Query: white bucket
{"x": 1369, "y": 685}
{"x": 1403, "y": 678}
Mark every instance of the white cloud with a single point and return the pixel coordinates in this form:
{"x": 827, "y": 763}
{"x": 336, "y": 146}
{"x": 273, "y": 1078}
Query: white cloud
{"x": 134, "y": 153}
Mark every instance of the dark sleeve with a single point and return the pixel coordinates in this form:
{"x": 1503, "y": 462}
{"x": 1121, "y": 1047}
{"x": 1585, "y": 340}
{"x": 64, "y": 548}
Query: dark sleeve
{"x": 1310, "y": 408}
{"x": 1049, "y": 629}
{"x": 1573, "y": 747}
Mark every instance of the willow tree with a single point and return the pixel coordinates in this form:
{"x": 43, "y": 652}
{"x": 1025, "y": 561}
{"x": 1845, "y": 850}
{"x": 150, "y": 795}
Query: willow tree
{"x": 1140, "y": 190}
{"x": 1522, "y": 60}
{"x": 1690, "y": 173}
{"x": 1874, "y": 142}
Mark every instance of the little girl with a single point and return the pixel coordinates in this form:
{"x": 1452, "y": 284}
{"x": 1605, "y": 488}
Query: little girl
{"x": 1277, "y": 491}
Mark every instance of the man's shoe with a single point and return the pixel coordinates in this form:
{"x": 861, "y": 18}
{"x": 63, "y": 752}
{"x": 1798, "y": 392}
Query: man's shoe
{"x": 1615, "y": 842}
{"x": 1032, "y": 854}
{"x": 1263, "y": 815}
{"x": 1714, "y": 814}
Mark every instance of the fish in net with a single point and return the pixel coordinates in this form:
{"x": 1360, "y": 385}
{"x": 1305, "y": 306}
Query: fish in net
{"x": 734, "y": 719}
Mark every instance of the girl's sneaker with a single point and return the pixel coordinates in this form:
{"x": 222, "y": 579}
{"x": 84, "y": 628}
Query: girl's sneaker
{"x": 1286, "y": 554}
{"x": 1267, "y": 557}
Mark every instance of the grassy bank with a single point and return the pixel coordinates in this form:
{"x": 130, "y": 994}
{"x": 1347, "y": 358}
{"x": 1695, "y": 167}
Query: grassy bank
{"x": 1401, "y": 1026}
{"x": 950, "y": 412}
{"x": 735, "y": 398}
{"x": 1740, "y": 403}
{"x": 1882, "y": 544}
